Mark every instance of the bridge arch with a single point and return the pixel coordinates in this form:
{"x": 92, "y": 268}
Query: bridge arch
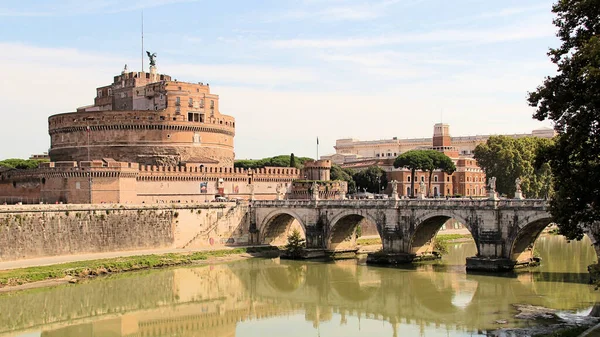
{"x": 342, "y": 229}
{"x": 527, "y": 231}
{"x": 429, "y": 224}
{"x": 278, "y": 224}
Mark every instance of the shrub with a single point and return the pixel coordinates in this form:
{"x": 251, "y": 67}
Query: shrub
{"x": 295, "y": 244}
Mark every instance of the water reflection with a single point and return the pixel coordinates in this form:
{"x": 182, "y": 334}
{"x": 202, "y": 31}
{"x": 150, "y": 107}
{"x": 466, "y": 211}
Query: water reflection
{"x": 249, "y": 298}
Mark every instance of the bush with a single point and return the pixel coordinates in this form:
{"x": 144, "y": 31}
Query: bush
{"x": 295, "y": 245}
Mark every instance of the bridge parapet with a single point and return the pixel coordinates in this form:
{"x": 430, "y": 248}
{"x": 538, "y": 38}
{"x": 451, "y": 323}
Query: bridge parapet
{"x": 537, "y": 204}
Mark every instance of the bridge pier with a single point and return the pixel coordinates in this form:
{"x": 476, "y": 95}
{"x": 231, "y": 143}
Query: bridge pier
{"x": 490, "y": 264}
{"x": 389, "y": 258}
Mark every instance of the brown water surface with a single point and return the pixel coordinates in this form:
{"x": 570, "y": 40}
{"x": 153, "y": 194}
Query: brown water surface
{"x": 263, "y": 297}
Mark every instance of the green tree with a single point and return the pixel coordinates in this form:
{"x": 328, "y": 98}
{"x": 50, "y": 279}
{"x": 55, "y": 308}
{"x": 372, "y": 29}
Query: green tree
{"x": 295, "y": 244}
{"x": 571, "y": 100}
{"x": 373, "y": 179}
{"x": 21, "y": 164}
{"x": 439, "y": 161}
{"x": 292, "y": 160}
{"x": 508, "y": 159}
{"x": 415, "y": 160}
{"x": 277, "y": 161}
{"x": 338, "y": 173}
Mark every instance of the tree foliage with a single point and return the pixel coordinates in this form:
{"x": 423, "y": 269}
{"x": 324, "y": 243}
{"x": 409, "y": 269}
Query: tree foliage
{"x": 571, "y": 99}
{"x": 415, "y": 160}
{"x": 292, "y": 160}
{"x": 439, "y": 161}
{"x": 508, "y": 159}
{"x": 373, "y": 179}
{"x": 338, "y": 173}
{"x": 295, "y": 244}
{"x": 277, "y": 161}
{"x": 22, "y": 164}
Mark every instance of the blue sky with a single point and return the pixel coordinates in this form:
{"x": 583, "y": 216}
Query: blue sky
{"x": 288, "y": 71}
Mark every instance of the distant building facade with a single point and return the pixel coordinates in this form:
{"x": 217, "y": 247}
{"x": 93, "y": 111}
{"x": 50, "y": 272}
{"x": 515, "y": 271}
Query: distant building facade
{"x": 350, "y": 149}
{"x": 469, "y": 179}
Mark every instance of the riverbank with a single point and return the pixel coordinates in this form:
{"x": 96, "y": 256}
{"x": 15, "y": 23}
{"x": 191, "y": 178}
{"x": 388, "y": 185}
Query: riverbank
{"x": 73, "y": 272}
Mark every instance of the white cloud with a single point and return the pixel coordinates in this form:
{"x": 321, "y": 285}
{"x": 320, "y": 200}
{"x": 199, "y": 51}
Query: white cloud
{"x": 270, "y": 120}
{"x": 532, "y": 29}
{"x": 334, "y": 10}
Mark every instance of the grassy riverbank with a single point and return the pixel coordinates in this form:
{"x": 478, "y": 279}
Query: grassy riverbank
{"x": 439, "y": 238}
{"x": 83, "y": 269}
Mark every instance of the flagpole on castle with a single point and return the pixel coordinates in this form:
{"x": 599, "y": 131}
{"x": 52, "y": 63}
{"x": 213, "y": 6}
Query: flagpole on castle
{"x": 317, "y": 148}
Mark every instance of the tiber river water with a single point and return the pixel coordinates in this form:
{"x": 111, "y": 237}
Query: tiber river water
{"x": 264, "y": 297}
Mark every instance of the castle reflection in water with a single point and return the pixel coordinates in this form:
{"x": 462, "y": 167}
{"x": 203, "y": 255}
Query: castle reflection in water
{"x": 213, "y": 300}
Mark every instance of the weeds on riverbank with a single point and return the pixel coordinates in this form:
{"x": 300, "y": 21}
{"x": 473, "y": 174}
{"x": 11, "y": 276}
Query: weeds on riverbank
{"x": 442, "y": 241}
{"x": 82, "y": 269}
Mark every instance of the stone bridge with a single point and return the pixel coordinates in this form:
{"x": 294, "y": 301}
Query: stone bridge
{"x": 504, "y": 230}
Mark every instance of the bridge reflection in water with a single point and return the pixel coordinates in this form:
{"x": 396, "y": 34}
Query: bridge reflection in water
{"x": 229, "y": 299}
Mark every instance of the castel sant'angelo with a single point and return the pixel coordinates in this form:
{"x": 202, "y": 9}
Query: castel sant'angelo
{"x": 151, "y": 139}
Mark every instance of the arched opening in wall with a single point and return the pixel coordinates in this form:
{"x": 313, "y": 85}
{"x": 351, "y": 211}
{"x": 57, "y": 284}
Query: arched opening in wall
{"x": 279, "y": 227}
{"x": 443, "y": 235}
{"x": 350, "y": 230}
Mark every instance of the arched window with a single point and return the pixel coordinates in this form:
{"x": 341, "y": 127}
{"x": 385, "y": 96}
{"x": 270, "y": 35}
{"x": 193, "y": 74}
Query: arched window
{"x": 423, "y": 178}
{"x": 435, "y": 179}
{"x": 409, "y": 179}
{"x": 435, "y": 191}
{"x": 408, "y": 191}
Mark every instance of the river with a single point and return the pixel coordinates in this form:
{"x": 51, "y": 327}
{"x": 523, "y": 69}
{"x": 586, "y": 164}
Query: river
{"x": 264, "y": 297}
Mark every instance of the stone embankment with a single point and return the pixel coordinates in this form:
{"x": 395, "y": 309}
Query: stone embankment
{"x": 34, "y": 231}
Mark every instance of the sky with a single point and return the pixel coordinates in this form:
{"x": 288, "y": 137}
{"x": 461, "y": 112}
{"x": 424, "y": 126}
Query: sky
{"x": 289, "y": 71}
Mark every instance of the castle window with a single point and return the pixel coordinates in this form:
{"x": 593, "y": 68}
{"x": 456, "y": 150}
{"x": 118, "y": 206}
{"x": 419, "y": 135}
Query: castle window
{"x": 179, "y": 88}
{"x": 177, "y": 100}
{"x": 409, "y": 179}
{"x": 169, "y": 136}
{"x": 109, "y": 92}
{"x": 77, "y": 185}
{"x": 191, "y": 102}
{"x": 212, "y": 104}
{"x": 177, "y": 109}
{"x": 99, "y": 93}
{"x": 202, "y": 102}
{"x": 423, "y": 178}
{"x": 435, "y": 179}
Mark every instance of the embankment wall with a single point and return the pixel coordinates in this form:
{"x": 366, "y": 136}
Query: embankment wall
{"x": 33, "y": 231}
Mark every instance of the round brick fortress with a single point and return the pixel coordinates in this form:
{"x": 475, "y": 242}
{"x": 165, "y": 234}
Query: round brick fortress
{"x": 147, "y": 137}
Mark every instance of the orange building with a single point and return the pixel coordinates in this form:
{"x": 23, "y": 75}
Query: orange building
{"x": 146, "y": 118}
{"x": 468, "y": 180}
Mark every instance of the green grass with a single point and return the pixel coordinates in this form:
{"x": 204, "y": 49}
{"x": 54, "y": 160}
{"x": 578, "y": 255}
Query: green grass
{"x": 368, "y": 242}
{"x": 442, "y": 241}
{"x": 452, "y": 237}
{"x": 114, "y": 265}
